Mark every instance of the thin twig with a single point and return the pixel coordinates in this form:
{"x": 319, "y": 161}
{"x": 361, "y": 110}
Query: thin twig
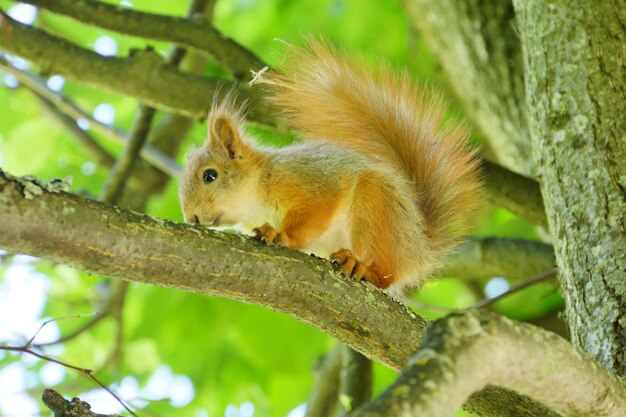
{"x": 102, "y": 155}
{"x": 120, "y": 173}
{"x": 88, "y": 373}
{"x": 76, "y": 332}
{"x": 76, "y": 316}
{"x": 428, "y": 307}
{"x": 37, "y": 84}
{"x": 548, "y": 274}
{"x": 120, "y": 289}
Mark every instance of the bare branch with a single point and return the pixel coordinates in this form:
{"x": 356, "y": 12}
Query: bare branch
{"x": 137, "y": 247}
{"x": 323, "y": 398}
{"x": 38, "y": 86}
{"x": 545, "y": 275}
{"x": 88, "y": 373}
{"x": 549, "y": 274}
{"x": 486, "y": 257}
{"x": 516, "y": 193}
{"x": 356, "y": 380}
{"x": 45, "y": 323}
{"x": 537, "y": 363}
{"x": 60, "y": 407}
{"x": 75, "y": 333}
{"x": 143, "y": 75}
{"x": 196, "y": 32}
{"x": 120, "y": 173}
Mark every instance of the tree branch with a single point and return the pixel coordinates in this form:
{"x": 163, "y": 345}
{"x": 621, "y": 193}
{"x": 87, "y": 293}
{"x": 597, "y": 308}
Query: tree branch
{"x": 104, "y": 240}
{"x": 478, "y": 48}
{"x": 323, "y": 398}
{"x": 195, "y": 32}
{"x": 516, "y": 193}
{"x": 123, "y": 167}
{"x": 63, "y": 103}
{"x": 486, "y": 257}
{"x": 143, "y": 75}
{"x": 40, "y": 219}
{"x": 356, "y": 380}
{"x": 524, "y": 358}
{"x": 60, "y": 407}
{"x": 549, "y": 274}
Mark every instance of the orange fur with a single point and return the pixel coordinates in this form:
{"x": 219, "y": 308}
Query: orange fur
{"x": 326, "y": 94}
{"x": 380, "y": 184}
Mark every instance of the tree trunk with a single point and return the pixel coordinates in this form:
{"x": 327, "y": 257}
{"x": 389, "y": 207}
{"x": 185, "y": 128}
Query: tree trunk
{"x": 575, "y": 74}
{"x": 477, "y": 45}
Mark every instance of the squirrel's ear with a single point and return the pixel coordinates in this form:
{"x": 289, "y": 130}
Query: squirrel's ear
{"x": 225, "y": 134}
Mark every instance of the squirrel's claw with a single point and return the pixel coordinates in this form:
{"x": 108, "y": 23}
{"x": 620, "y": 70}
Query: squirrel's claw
{"x": 266, "y": 234}
{"x": 351, "y": 267}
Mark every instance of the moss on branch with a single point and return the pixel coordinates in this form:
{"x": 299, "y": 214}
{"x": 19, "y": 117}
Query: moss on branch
{"x": 41, "y": 219}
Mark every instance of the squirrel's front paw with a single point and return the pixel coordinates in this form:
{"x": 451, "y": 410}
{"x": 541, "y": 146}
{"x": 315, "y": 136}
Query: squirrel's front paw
{"x": 266, "y": 234}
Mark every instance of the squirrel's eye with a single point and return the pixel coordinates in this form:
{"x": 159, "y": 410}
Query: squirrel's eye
{"x": 209, "y": 175}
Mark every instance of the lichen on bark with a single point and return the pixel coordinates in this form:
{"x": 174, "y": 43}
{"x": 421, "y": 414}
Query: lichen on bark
{"x": 575, "y": 75}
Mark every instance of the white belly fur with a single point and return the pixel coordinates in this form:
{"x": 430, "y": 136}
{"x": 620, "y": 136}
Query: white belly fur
{"x": 336, "y": 237}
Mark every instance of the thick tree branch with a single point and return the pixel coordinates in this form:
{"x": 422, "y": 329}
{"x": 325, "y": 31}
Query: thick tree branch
{"x": 195, "y": 33}
{"x": 478, "y": 48}
{"x": 40, "y": 219}
{"x": 143, "y": 75}
{"x": 104, "y": 240}
{"x": 524, "y": 358}
{"x": 513, "y": 259}
{"x": 514, "y": 192}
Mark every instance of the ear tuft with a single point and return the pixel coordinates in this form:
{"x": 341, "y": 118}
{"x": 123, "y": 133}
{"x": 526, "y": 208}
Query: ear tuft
{"x": 225, "y": 133}
{"x": 225, "y": 121}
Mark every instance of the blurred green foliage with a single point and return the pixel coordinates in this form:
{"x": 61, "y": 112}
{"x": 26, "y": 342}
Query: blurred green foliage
{"x": 233, "y": 352}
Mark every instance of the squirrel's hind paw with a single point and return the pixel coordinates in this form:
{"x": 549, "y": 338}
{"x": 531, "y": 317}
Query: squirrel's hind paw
{"x": 351, "y": 267}
{"x": 266, "y": 234}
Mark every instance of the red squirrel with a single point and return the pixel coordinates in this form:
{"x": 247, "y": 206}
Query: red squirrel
{"x": 379, "y": 184}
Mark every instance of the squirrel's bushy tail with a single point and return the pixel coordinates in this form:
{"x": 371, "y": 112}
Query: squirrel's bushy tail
{"x": 326, "y": 94}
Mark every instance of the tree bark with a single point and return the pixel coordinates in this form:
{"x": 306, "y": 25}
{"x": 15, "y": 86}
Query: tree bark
{"x": 190, "y": 32}
{"x": 451, "y": 364}
{"x": 143, "y": 75}
{"x": 40, "y": 219}
{"x": 477, "y": 45}
{"x": 576, "y": 77}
